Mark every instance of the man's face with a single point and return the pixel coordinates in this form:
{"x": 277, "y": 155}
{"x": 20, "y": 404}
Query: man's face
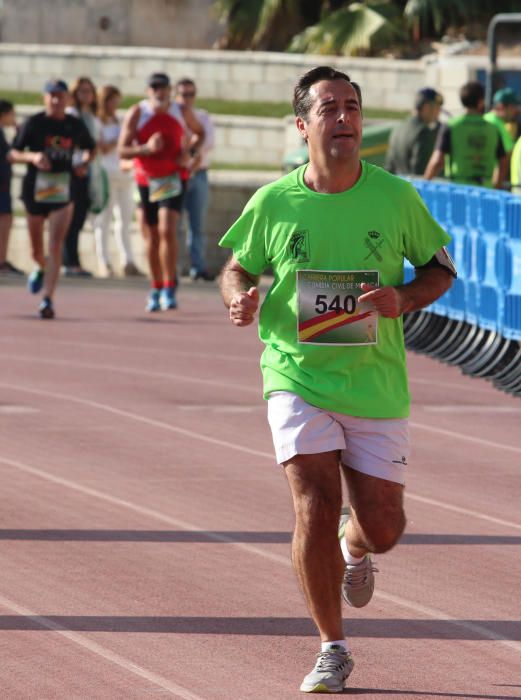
{"x": 55, "y": 103}
{"x": 430, "y": 112}
{"x": 185, "y": 94}
{"x": 334, "y": 123}
{"x": 159, "y": 95}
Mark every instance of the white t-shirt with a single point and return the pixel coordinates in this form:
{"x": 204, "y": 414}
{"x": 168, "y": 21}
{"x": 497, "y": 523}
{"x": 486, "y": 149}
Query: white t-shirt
{"x": 108, "y": 133}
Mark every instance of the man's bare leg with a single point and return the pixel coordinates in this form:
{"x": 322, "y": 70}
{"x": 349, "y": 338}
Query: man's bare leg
{"x": 151, "y": 238}
{"x": 316, "y": 489}
{"x": 168, "y": 242}
{"x": 377, "y": 519}
{"x": 6, "y": 221}
{"x": 35, "y": 225}
{"x": 59, "y": 221}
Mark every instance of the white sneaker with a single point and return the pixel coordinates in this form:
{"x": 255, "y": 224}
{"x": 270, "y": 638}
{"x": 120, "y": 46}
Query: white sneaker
{"x": 331, "y": 671}
{"x": 358, "y": 582}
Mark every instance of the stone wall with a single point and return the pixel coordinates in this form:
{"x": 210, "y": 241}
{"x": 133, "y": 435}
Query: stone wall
{"x": 238, "y": 75}
{"x": 187, "y": 23}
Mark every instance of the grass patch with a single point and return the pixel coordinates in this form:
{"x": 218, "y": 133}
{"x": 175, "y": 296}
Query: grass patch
{"x": 237, "y": 108}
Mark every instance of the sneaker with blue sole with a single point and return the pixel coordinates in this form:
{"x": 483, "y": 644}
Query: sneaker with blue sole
{"x": 358, "y": 581}
{"x": 35, "y": 280}
{"x": 331, "y": 672}
{"x": 167, "y": 299}
{"x": 153, "y": 301}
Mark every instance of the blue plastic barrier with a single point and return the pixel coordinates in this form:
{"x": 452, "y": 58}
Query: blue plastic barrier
{"x": 485, "y": 226}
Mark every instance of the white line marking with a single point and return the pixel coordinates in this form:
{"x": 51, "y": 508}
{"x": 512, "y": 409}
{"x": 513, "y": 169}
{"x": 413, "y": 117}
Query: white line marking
{"x": 17, "y": 410}
{"x": 135, "y": 371}
{"x": 463, "y": 511}
{"x": 433, "y": 613}
{"x": 99, "y": 650}
{"x": 467, "y": 438}
{"x": 258, "y": 453}
{"x": 469, "y": 408}
{"x": 150, "y": 350}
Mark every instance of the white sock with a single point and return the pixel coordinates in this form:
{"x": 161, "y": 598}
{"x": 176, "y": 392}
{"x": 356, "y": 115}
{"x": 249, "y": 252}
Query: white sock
{"x": 339, "y": 643}
{"x": 348, "y": 557}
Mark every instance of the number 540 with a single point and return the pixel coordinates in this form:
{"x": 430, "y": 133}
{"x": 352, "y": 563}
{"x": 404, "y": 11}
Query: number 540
{"x": 347, "y": 304}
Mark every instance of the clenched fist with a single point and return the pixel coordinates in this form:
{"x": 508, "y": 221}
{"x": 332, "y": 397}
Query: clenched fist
{"x": 243, "y": 307}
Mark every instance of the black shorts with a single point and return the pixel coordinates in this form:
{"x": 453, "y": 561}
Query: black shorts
{"x": 151, "y": 209}
{"x": 35, "y": 208}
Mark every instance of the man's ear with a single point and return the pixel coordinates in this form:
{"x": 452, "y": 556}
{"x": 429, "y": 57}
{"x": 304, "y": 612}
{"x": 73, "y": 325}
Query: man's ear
{"x": 302, "y": 129}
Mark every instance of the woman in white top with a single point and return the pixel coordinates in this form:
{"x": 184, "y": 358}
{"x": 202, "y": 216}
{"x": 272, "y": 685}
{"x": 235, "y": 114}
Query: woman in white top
{"x": 120, "y": 203}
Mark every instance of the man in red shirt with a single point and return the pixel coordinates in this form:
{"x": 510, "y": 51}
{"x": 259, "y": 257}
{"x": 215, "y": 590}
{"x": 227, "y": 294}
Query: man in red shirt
{"x": 153, "y": 134}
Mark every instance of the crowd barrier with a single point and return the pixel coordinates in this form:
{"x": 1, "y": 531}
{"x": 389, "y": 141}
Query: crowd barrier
{"x": 477, "y": 323}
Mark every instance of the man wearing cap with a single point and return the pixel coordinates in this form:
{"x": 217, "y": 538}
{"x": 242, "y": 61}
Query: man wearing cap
{"x": 46, "y": 143}
{"x": 468, "y": 146}
{"x": 153, "y": 134}
{"x": 505, "y": 108}
{"x": 412, "y": 141}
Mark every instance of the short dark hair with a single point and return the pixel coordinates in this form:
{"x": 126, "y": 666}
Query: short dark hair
{"x": 185, "y": 81}
{"x": 6, "y": 107}
{"x": 302, "y": 101}
{"x": 471, "y": 94}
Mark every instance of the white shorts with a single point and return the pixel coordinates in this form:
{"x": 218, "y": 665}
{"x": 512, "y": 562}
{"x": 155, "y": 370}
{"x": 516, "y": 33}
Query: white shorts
{"x": 375, "y": 446}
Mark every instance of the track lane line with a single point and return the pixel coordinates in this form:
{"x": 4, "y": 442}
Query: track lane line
{"x": 247, "y": 450}
{"x": 230, "y": 358}
{"x": 100, "y": 650}
{"x": 429, "y": 612}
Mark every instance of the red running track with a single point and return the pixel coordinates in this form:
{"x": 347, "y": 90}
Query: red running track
{"x": 145, "y": 528}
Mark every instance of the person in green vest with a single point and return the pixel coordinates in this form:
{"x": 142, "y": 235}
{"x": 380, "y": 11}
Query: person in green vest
{"x": 336, "y": 232}
{"x": 412, "y": 141}
{"x": 505, "y": 107}
{"x": 469, "y": 147}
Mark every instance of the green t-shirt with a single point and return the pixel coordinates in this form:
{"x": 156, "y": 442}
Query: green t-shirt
{"x": 506, "y": 136}
{"x": 371, "y": 227}
{"x": 475, "y": 147}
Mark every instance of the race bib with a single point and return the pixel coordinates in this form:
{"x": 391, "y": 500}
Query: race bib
{"x": 164, "y": 187}
{"x": 328, "y": 309}
{"x": 52, "y": 188}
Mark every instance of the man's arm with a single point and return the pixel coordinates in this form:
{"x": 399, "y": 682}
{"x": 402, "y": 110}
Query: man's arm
{"x": 434, "y": 165}
{"x": 500, "y": 175}
{"x": 391, "y": 302}
{"x": 127, "y": 145}
{"x": 194, "y": 125}
{"x": 239, "y": 292}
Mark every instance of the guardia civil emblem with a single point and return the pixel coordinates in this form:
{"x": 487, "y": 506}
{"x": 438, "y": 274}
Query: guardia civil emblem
{"x": 298, "y": 246}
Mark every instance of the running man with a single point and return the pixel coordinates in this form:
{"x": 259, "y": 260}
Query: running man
{"x": 335, "y": 232}
{"x": 153, "y": 134}
{"x": 46, "y": 143}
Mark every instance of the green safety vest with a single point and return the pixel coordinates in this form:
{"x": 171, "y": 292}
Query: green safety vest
{"x": 473, "y": 148}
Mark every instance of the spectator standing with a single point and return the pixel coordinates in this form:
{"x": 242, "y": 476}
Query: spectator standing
{"x": 84, "y": 107}
{"x": 412, "y": 142}
{"x": 505, "y": 108}
{"x": 469, "y": 147}
{"x": 46, "y": 143}
{"x": 153, "y": 134}
{"x": 120, "y": 202}
{"x": 7, "y": 119}
{"x": 197, "y": 190}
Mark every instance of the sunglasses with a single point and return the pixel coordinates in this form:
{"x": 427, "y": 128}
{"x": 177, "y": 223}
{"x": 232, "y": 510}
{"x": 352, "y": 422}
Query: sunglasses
{"x": 187, "y": 94}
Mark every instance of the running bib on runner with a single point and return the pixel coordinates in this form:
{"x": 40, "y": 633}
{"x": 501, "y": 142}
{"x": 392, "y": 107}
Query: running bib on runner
{"x": 52, "y": 188}
{"x": 164, "y": 187}
{"x": 328, "y": 309}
